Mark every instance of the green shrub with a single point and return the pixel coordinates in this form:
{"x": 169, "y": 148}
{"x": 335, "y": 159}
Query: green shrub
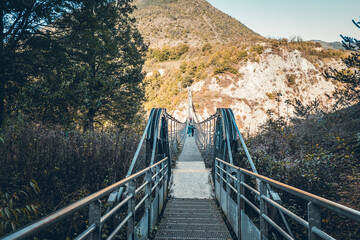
{"x": 291, "y": 79}
{"x": 187, "y": 81}
{"x": 317, "y": 153}
{"x": 225, "y": 68}
{"x": 18, "y": 207}
{"x": 258, "y": 49}
{"x": 206, "y": 47}
{"x": 183, "y": 67}
{"x": 240, "y": 55}
{"x": 271, "y": 95}
{"x": 169, "y": 53}
{"x": 65, "y": 165}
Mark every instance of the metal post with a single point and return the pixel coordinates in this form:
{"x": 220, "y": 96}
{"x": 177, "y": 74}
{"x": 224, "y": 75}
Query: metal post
{"x": 94, "y": 217}
{"x": 131, "y": 209}
{"x": 169, "y": 170}
{"x": 204, "y": 135}
{"x": 221, "y": 182}
{"x": 209, "y": 133}
{"x": 228, "y": 182}
{"x": 167, "y": 180}
{"x": 242, "y": 190}
{"x": 148, "y": 178}
{"x": 263, "y": 211}
{"x": 240, "y": 202}
{"x": 157, "y": 189}
{"x": 171, "y": 130}
{"x": 176, "y": 133}
{"x": 314, "y": 219}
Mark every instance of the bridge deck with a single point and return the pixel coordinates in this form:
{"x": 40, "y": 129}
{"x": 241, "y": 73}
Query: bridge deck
{"x": 190, "y": 177}
{"x": 192, "y": 212}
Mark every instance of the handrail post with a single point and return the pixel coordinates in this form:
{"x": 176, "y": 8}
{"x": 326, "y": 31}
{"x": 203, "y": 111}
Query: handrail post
{"x": 221, "y": 177}
{"x": 263, "y": 211}
{"x": 94, "y": 217}
{"x": 148, "y": 179}
{"x": 209, "y": 133}
{"x": 157, "y": 189}
{"x": 227, "y": 169}
{"x": 171, "y": 130}
{"x": 168, "y": 174}
{"x": 240, "y": 192}
{"x": 131, "y": 209}
{"x": 314, "y": 219}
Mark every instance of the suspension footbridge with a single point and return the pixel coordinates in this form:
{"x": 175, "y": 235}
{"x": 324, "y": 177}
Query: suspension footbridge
{"x": 201, "y": 187}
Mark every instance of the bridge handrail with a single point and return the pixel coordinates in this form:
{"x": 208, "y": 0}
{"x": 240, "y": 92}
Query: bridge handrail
{"x": 153, "y": 120}
{"x": 323, "y": 202}
{"x": 314, "y": 200}
{"x": 59, "y": 215}
{"x": 251, "y": 162}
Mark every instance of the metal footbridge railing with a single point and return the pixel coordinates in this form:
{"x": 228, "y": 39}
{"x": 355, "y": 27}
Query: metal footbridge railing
{"x": 133, "y": 205}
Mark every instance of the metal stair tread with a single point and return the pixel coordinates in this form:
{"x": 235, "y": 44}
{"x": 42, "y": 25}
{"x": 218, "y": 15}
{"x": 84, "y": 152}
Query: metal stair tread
{"x": 192, "y": 238}
{"x": 192, "y": 219}
{"x": 190, "y": 214}
{"x": 182, "y": 226}
{"x": 193, "y": 234}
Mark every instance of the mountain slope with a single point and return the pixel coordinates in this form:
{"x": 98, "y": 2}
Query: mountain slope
{"x": 170, "y": 22}
{"x": 334, "y": 45}
{"x": 227, "y": 65}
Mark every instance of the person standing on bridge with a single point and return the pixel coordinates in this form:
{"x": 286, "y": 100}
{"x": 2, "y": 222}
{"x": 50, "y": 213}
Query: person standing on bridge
{"x": 190, "y": 130}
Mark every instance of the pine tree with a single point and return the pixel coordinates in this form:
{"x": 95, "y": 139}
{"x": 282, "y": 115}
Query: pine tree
{"x": 350, "y": 93}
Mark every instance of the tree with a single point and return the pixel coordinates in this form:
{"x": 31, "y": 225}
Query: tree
{"x": 21, "y": 22}
{"x": 303, "y": 110}
{"x": 350, "y": 92}
{"x": 99, "y": 77}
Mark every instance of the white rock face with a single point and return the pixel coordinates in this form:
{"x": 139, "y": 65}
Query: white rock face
{"x": 252, "y": 94}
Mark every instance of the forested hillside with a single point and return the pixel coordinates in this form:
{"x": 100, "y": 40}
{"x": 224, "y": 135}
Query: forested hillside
{"x": 172, "y": 22}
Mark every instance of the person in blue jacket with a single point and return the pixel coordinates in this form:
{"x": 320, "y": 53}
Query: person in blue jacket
{"x": 190, "y": 130}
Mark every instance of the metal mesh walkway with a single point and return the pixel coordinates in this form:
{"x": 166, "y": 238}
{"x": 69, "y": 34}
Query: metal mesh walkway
{"x": 190, "y": 177}
{"x": 192, "y": 212}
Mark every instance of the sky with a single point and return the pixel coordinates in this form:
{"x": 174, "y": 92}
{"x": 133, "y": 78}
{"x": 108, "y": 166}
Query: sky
{"x": 310, "y": 19}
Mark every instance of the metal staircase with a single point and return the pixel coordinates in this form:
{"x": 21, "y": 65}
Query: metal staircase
{"x": 192, "y": 219}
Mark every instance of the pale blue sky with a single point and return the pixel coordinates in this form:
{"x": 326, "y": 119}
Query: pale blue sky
{"x": 310, "y": 19}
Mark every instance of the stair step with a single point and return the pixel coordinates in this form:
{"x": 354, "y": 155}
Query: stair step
{"x": 184, "y": 209}
{"x": 192, "y": 219}
{"x": 191, "y": 238}
{"x": 190, "y": 214}
{"x": 188, "y": 200}
{"x": 189, "y": 226}
{"x": 193, "y": 234}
